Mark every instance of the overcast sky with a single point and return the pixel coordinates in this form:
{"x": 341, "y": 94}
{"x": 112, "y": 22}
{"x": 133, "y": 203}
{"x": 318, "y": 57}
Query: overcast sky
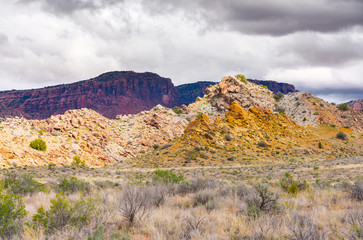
{"x": 317, "y": 45}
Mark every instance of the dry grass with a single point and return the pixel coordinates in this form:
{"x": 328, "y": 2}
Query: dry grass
{"x": 209, "y": 209}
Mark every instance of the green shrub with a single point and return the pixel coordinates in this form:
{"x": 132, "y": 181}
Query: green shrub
{"x": 177, "y": 110}
{"x": 22, "y": 184}
{"x": 156, "y": 146}
{"x": 343, "y": 107}
{"x": 64, "y": 212}
{"x": 97, "y": 234}
{"x": 278, "y": 96}
{"x": 12, "y": 213}
{"x": 167, "y": 177}
{"x": 38, "y": 144}
{"x": 242, "y": 78}
{"x": 320, "y": 145}
{"x": 199, "y": 115}
{"x": 78, "y": 162}
{"x": 262, "y": 144}
{"x": 342, "y": 136}
{"x": 291, "y": 185}
{"x": 72, "y": 184}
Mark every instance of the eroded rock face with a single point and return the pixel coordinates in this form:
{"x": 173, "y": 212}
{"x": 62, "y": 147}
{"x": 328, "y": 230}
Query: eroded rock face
{"x": 109, "y": 94}
{"x": 245, "y": 93}
{"x": 85, "y": 133}
{"x": 307, "y": 110}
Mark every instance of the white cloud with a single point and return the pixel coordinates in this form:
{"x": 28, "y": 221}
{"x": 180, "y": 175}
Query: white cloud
{"x": 43, "y": 43}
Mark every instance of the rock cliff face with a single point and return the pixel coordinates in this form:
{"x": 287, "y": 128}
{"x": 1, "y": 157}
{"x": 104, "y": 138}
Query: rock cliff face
{"x": 189, "y": 92}
{"x": 109, "y": 94}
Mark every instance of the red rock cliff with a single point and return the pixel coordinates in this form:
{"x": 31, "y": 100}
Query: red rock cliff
{"x": 110, "y": 94}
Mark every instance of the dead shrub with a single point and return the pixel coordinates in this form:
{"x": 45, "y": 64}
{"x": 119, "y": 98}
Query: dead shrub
{"x": 157, "y": 194}
{"x": 193, "y": 223}
{"x": 260, "y": 200}
{"x": 135, "y": 204}
{"x": 302, "y": 228}
{"x": 354, "y": 218}
{"x": 356, "y": 191}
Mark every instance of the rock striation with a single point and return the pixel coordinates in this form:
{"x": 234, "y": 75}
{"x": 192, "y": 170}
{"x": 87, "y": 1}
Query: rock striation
{"x": 110, "y": 94}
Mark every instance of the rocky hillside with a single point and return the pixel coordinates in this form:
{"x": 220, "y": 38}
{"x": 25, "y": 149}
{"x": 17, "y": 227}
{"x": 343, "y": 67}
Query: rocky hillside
{"x": 235, "y": 122}
{"x": 85, "y": 133}
{"x": 242, "y": 136}
{"x": 219, "y": 96}
{"x": 307, "y": 110}
{"x": 356, "y": 104}
{"x": 189, "y": 92}
{"x": 109, "y": 94}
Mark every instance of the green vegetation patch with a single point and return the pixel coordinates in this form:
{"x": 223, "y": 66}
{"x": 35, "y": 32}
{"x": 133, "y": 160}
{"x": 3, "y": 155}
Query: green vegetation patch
{"x": 38, "y": 144}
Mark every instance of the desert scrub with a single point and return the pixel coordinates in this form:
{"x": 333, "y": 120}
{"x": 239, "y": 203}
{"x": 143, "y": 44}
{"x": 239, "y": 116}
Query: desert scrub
{"x": 242, "y": 78}
{"x": 72, "y": 184}
{"x": 261, "y": 200}
{"x": 38, "y": 144}
{"x": 167, "y": 177}
{"x": 356, "y": 191}
{"x": 343, "y": 107}
{"x": 64, "y": 212}
{"x": 78, "y": 162}
{"x": 12, "y": 214}
{"x": 135, "y": 204}
{"x": 278, "y": 96}
{"x": 262, "y": 144}
{"x": 341, "y": 135}
{"x": 177, "y": 110}
{"x": 22, "y": 184}
{"x": 291, "y": 185}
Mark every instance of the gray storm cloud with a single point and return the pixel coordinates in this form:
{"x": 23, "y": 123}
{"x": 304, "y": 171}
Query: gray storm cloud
{"x": 278, "y": 17}
{"x": 314, "y": 44}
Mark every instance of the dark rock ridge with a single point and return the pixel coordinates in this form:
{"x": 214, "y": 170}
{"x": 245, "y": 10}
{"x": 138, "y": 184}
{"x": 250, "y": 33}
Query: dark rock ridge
{"x": 275, "y": 87}
{"x": 109, "y": 94}
{"x": 356, "y": 104}
{"x": 190, "y": 91}
{"x": 187, "y": 93}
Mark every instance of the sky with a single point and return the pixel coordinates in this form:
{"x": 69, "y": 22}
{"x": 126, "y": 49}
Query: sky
{"x": 317, "y": 45}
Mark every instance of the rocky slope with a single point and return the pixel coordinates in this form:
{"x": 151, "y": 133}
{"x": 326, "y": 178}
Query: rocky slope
{"x": 257, "y": 134}
{"x": 218, "y": 97}
{"x": 109, "y": 94}
{"x": 356, "y": 104}
{"x": 85, "y": 133}
{"x": 235, "y": 122}
{"x": 307, "y": 110}
{"x": 191, "y": 91}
